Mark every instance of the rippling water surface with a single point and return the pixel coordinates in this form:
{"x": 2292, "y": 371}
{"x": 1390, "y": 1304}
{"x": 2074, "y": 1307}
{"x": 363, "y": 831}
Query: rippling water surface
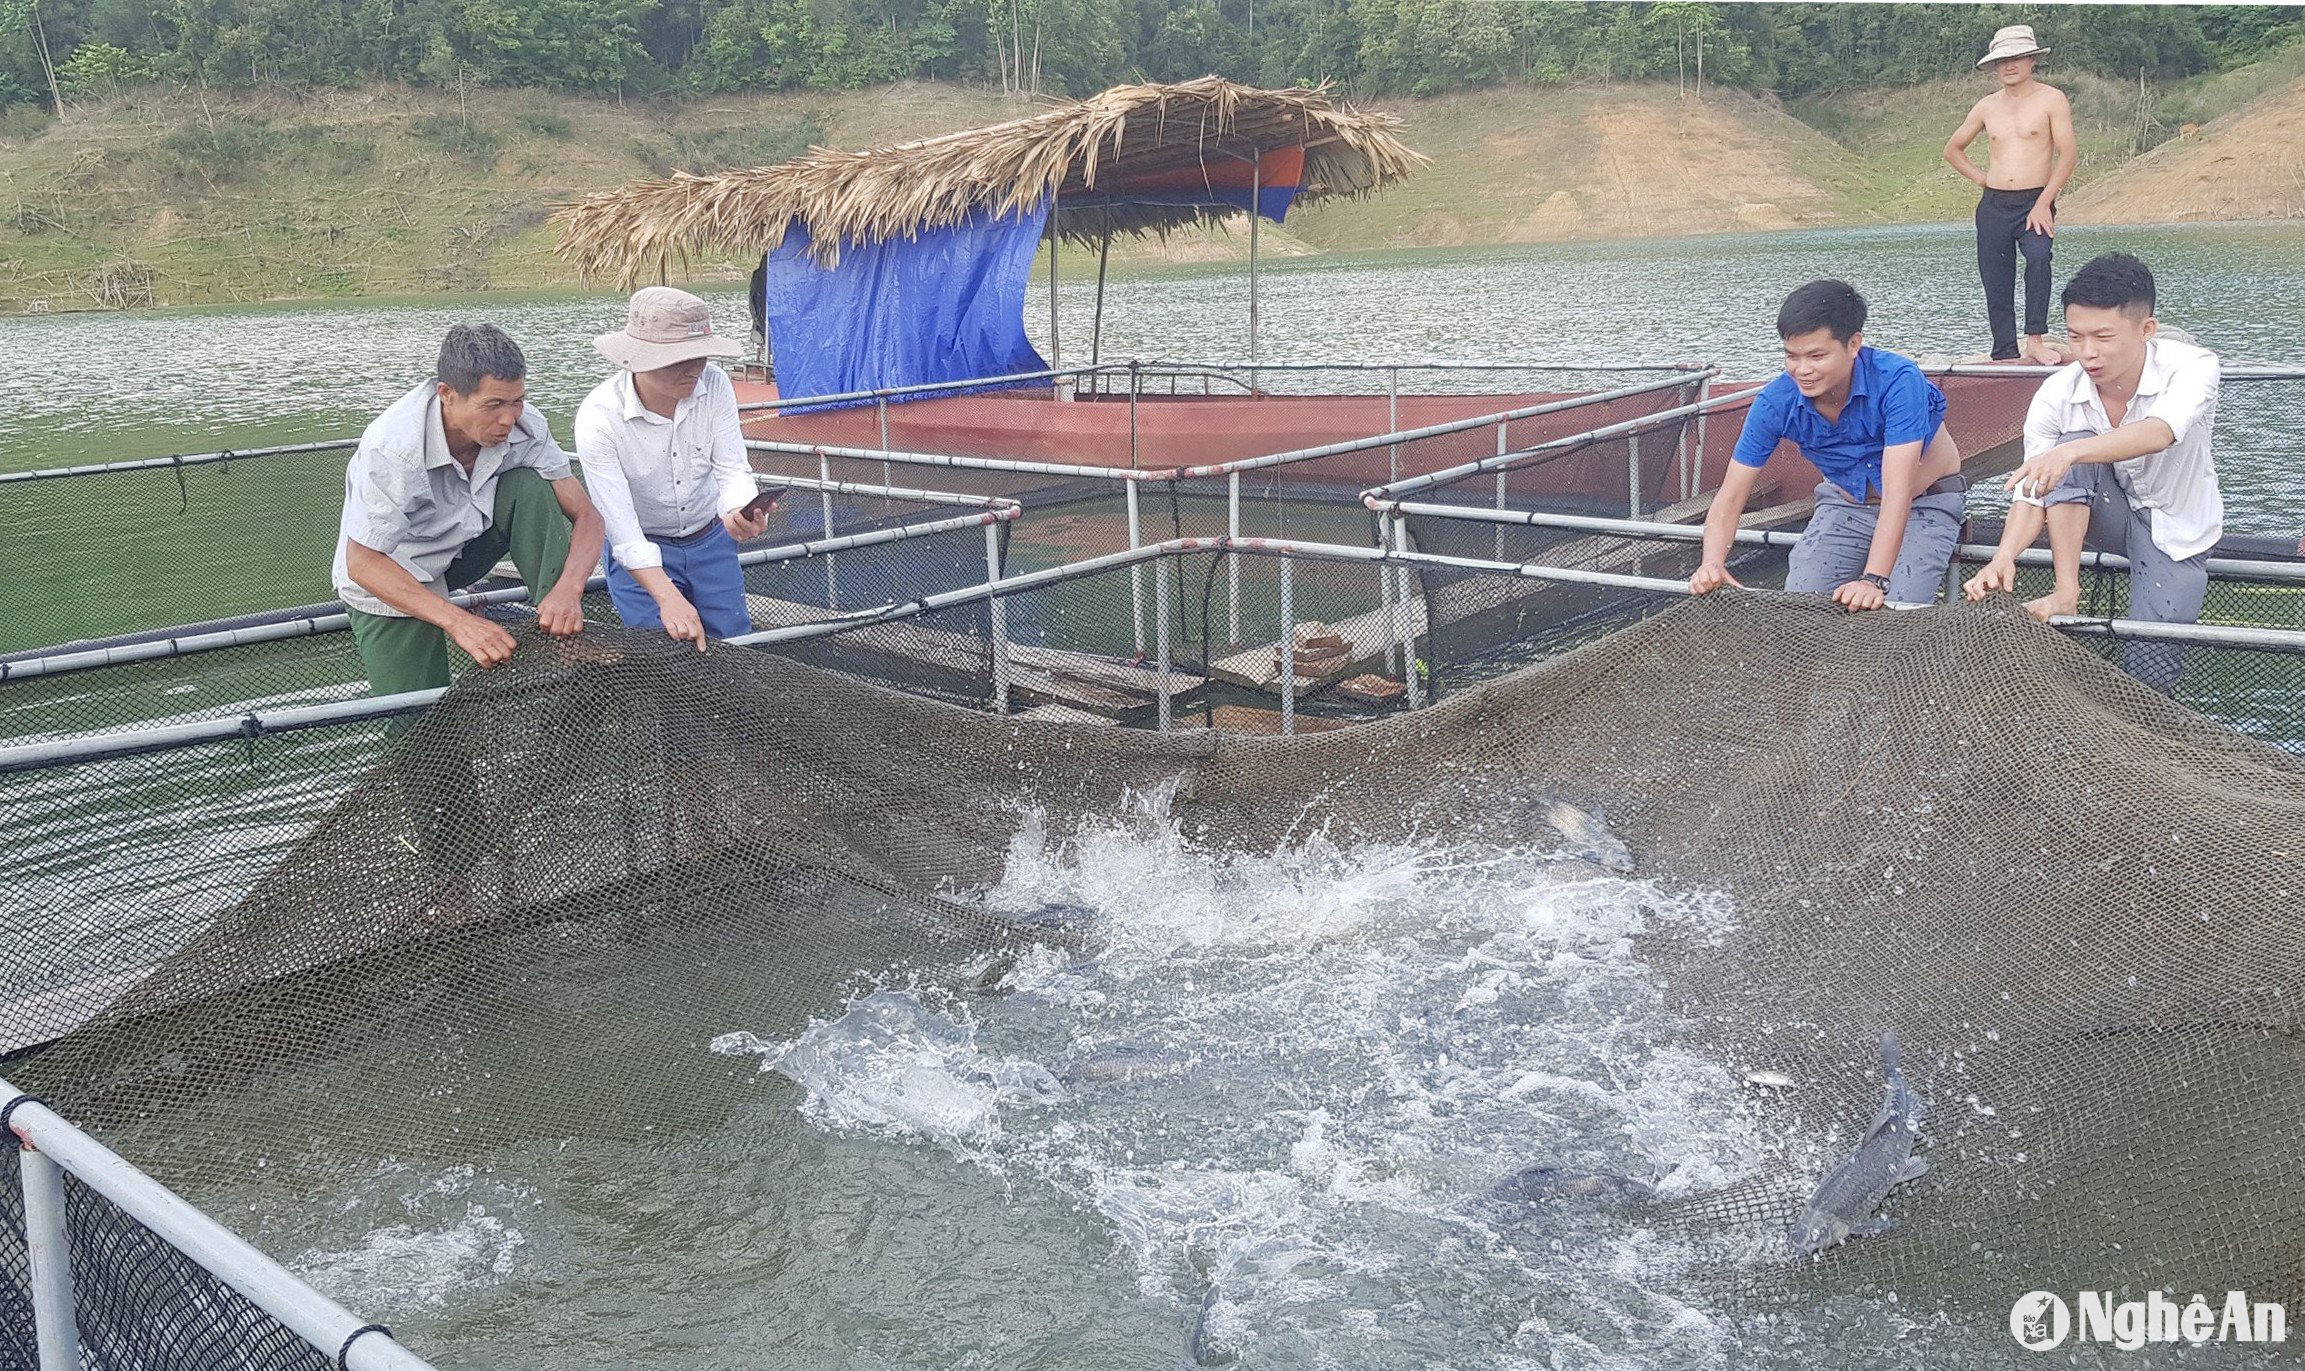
{"x": 98, "y": 387}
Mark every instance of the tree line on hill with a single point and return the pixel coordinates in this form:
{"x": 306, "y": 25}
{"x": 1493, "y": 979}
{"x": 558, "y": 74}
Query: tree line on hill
{"x": 57, "y": 50}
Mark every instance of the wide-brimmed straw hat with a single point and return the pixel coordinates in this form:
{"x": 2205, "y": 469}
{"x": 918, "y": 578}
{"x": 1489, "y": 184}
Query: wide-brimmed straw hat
{"x": 662, "y": 327}
{"x": 2013, "y": 41}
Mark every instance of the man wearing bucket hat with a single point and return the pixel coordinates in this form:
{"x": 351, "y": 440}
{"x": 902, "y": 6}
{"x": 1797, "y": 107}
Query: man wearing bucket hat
{"x": 663, "y": 455}
{"x": 2030, "y": 129}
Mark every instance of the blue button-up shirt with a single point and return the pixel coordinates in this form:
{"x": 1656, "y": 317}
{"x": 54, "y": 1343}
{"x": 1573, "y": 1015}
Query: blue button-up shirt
{"x": 1890, "y": 402}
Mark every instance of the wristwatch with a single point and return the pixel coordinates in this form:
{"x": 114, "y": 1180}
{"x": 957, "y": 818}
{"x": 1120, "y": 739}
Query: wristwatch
{"x": 1875, "y": 580}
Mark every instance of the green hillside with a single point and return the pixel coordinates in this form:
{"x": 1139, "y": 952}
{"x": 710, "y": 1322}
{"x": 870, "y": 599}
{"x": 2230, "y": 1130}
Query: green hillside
{"x": 157, "y": 196}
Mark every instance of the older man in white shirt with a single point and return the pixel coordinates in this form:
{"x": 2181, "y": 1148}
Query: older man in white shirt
{"x": 2117, "y": 459}
{"x": 458, "y": 473}
{"x": 662, "y": 449}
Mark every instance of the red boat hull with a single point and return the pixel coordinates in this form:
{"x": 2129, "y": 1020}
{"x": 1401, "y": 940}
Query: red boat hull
{"x": 1181, "y": 431}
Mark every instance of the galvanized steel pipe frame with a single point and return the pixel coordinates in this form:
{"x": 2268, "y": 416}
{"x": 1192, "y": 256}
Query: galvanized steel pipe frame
{"x": 2225, "y": 568}
{"x": 1709, "y": 404}
{"x": 256, "y": 724}
{"x": 173, "y": 461}
{"x": 1240, "y": 374}
{"x": 882, "y": 396}
{"x": 1170, "y": 474}
{"x": 48, "y": 1247}
{"x": 924, "y": 389}
{"x": 1504, "y": 461}
{"x": 192, "y": 643}
{"x": 888, "y": 492}
{"x": 1160, "y": 364}
{"x": 326, "y": 1326}
{"x": 1686, "y": 376}
{"x": 1236, "y": 373}
{"x": 2244, "y": 372}
{"x": 1156, "y": 367}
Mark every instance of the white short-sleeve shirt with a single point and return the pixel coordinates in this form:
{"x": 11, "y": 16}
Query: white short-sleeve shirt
{"x": 2179, "y": 483}
{"x": 407, "y": 497}
{"x": 658, "y": 478}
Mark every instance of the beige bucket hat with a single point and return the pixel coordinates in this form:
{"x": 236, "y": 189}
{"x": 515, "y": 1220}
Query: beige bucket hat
{"x": 2013, "y": 41}
{"x": 662, "y": 327}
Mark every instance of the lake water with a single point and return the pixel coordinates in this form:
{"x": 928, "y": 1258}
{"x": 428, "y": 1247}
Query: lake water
{"x": 92, "y": 387}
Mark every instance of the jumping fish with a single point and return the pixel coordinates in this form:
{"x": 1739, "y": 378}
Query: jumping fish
{"x": 1846, "y": 1199}
{"x": 1205, "y": 1349}
{"x": 1126, "y": 1063}
{"x": 1546, "y": 1184}
{"x": 1586, "y": 832}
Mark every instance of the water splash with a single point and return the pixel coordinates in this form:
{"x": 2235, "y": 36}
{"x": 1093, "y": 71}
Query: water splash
{"x": 892, "y": 1065}
{"x": 1290, "y": 1079}
{"x": 447, "y": 1248}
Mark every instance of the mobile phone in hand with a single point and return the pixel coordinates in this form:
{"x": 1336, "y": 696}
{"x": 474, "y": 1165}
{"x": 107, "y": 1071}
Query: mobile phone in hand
{"x": 761, "y": 504}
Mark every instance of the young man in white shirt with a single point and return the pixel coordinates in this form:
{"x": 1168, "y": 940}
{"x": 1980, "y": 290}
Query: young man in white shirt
{"x": 2117, "y": 458}
{"x": 458, "y": 473}
{"x": 662, "y": 449}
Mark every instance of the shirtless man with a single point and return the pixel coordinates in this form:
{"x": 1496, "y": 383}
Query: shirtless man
{"x": 2030, "y": 129}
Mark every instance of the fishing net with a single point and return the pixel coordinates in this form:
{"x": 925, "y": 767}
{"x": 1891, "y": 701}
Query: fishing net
{"x": 147, "y": 546}
{"x": 138, "y": 1302}
{"x": 2076, "y": 902}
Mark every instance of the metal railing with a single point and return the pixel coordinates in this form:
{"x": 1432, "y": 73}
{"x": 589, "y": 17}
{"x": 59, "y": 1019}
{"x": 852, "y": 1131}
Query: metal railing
{"x": 1131, "y": 479}
{"x": 1242, "y": 375}
{"x": 1391, "y": 541}
{"x": 178, "y": 461}
{"x": 2236, "y": 372}
{"x": 1238, "y": 372}
{"x": 64, "y": 751}
{"x": 2222, "y": 568}
{"x": 50, "y": 1148}
{"x": 881, "y": 395}
{"x": 311, "y": 620}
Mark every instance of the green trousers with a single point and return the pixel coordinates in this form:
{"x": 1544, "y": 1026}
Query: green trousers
{"x": 404, "y": 654}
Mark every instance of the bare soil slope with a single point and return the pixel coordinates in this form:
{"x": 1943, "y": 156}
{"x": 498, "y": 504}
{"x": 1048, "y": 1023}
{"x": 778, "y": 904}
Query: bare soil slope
{"x": 2248, "y": 165}
{"x": 1540, "y": 165}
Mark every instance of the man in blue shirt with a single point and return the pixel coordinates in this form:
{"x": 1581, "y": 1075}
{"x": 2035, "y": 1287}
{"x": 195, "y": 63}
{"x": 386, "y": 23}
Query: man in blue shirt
{"x": 1890, "y": 507}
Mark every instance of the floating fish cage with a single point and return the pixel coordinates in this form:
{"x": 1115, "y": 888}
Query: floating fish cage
{"x": 904, "y": 974}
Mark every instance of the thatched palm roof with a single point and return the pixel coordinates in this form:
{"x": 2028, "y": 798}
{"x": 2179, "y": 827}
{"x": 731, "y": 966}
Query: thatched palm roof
{"x": 865, "y": 197}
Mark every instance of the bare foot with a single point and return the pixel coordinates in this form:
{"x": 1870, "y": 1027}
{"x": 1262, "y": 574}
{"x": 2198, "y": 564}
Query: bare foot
{"x": 2044, "y": 353}
{"x": 2053, "y": 603}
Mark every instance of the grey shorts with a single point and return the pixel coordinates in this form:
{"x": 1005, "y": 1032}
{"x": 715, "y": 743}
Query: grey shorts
{"x": 2162, "y": 589}
{"x": 1834, "y": 547}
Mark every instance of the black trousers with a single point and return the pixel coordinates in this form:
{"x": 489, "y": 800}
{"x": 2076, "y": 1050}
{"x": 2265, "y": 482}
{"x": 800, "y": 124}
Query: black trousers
{"x": 2001, "y": 235}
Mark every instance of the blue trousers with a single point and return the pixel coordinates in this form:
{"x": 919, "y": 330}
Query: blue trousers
{"x": 704, "y": 567}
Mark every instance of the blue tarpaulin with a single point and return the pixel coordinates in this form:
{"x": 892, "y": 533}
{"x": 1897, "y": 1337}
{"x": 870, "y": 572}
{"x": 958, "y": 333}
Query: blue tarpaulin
{"x": 947, "y": 305}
